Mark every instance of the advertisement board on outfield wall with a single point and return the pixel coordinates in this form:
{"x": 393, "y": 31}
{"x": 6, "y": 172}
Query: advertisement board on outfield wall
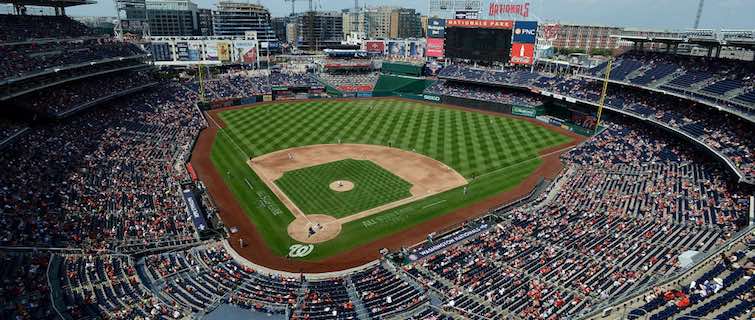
{"x": 524, "y": 111}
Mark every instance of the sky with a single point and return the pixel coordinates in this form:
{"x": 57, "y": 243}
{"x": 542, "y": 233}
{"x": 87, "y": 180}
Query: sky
{"x": 655, "y": 14}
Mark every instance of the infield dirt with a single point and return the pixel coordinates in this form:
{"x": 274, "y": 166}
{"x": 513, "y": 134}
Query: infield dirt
{"x": 257, "y": 251}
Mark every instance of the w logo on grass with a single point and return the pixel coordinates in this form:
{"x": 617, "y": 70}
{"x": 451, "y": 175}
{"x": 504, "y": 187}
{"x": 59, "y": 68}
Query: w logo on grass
{"x": 300, "y": 250}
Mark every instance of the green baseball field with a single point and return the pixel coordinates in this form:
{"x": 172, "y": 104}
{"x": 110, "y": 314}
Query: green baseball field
{"x": 492, "y": 153}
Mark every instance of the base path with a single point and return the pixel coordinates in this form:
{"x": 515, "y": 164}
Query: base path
{"x": 257, "y": 251}
{"x": 427, "y": 176}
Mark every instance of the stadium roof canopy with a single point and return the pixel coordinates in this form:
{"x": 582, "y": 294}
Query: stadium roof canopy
{"x": 49, "y": 3}
{"x": 705, "y": 38}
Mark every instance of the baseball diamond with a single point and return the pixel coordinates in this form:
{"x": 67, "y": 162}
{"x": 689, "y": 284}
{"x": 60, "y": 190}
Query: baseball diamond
{"x": 437, "y": 165}
{"x": 491, "y": 153}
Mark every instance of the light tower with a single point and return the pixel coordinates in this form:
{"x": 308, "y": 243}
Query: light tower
{"x": 699, "y": 13}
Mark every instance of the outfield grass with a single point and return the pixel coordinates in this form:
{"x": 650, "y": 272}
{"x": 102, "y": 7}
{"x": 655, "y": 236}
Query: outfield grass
{"x": 309, "y": 187}
{"x": 500, "y": 151}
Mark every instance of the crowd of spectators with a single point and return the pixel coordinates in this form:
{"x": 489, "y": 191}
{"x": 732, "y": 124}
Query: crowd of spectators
{"x": 631, "y": 202}
{"x": 28, "y": 58}
{"x": 727, "y": 82}
{"x": 721, "y": 131}
{"x": 9, "y": 128}
{"x": 484, "y": 93}
{"x": 293, "y": 79}
{"x": 72, "y": 95}
{"x": 15, "y": 28}
{"x": 351, "y": 81}
{"x": 102, "y": 179}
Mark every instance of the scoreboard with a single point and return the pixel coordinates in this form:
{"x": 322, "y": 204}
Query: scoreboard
{"x": 504, "y": 41}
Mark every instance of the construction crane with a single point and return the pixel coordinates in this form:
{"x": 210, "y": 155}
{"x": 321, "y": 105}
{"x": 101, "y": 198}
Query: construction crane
{"x": 699, "y": 13}
{"x": 293, "y": 5}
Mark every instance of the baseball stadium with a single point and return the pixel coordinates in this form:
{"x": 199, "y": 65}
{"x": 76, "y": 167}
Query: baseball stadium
{"x": 457, "y": 160}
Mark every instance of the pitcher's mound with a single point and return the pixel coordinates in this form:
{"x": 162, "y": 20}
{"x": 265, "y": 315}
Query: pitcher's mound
{"x": 341, "y": 185}
{"x": 315, "y": 228}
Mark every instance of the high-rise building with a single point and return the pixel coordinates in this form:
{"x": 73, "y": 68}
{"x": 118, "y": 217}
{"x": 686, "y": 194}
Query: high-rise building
{"x": 354, "y": 21}
{"x": 204, "y": 20}
{"x": 279, "y": 27}
{"x": 172, "y": 17}
{"x": 423, "y": 21}
{"x": 318, "y": 30}
{"x": 405, "y": 23}
{"x": 379, "y": 22}
{"x": 235, "y": 19}
{"x": 292, "y": 32}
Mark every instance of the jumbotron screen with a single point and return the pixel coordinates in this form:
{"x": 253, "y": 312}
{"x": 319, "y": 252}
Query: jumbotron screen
{"x": 479, "y": 44}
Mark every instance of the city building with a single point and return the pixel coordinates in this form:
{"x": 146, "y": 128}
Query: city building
{"x": 292, "y": 32}
{"x": 405, "y": 23}
{"x": 172, "y": 18}
{"x": 379, "y": 22}
{"x": 354, "y": 20}
{"x": 235, "y": 19}
{"x": 279, "y": 27}
{"x": 204, "y": 20}
{"x": 318, "y": 30}
{"x": 423, "y": 21}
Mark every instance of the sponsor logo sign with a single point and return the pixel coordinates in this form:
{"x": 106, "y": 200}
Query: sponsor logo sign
{"x": 436, "y": 28}
{"x": 525, "y": 31}
{"x": 523, "y": 111}
{"x": 508, "y": 9}
{"x": 447, "y": 241}
{"x": 435, "y": 47}
{"x": 431, "y": 98}
{"x": 374, "y": 46}
{"x": 489, "y": 24}
{"x": 522, "y": 53}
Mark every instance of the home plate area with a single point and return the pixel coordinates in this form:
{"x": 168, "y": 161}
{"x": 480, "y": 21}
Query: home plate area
{"x": 326, "y": 186}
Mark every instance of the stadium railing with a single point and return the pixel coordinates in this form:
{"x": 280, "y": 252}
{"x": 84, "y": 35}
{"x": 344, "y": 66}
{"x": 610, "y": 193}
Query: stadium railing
{"x": 623, "y": 304}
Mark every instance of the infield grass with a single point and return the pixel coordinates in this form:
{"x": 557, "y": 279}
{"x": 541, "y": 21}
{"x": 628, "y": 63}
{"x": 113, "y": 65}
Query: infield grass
{"x": 309, "y": 188}
{"x": 494, "y": 153}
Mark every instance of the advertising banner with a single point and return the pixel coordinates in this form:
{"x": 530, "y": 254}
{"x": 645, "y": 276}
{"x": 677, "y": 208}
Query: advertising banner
{"x": 224, "y": 51}
{"x": 415, "y": 49}
{"x": 211, "y": 51}
{"x": 195, "y": 51}
{"x": 436, "y": 28}
{"x": 524, "y": 111}
{"x": 508, "y": 9}
{"x": 246, "y": 51}
{"x": 434, "y": 47}
{"x": 192, "y": 208}
{"x": 374, "y": 46}
{"x": 396, "y": 48}
{"x": 161, "y": 51}
{"x": 489, "y": 24}
{"x": 447, "y": 241}
{"x": 525, "y": 31}
{"x": 182, "y": 51}
{"x": 522, "y": 53}
{"x": 468, "y": 14}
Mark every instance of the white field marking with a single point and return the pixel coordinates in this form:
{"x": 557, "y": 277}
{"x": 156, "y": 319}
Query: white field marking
{"x": 245, "y": 157}
{"x": 432, "y": 204}
{"x": 525, "y": 161}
